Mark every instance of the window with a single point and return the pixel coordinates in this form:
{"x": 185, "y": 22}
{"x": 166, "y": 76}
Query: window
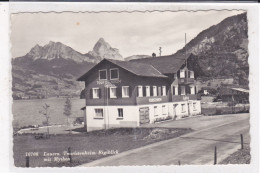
{"x": 182, "y": 73}
{"x": 103, "y": 74}
{"x": 182, "y": 107}
{"x": 114, "y": 73}
{"x": 96, "y": 93}
{"x": 164, "y": 110}
{"x": 192, "y": 90}
{"x": 156, "y": 111}
{"x": 175, "y": 76}
{"x": 125, "y": 91}
{"x": 182, "y": 90}
{"x": 194, "y": 106}
{"x": 140, "y": 91}
{"x": 112, "y": 92}
{"x": 147, "y": 91}
{"x": 99, "y": 113}
{"x": 154, "y": 90}
{"x": 191, "y": 74}
{"x": 164, "y": 90}
{"x": 120, "y": 113}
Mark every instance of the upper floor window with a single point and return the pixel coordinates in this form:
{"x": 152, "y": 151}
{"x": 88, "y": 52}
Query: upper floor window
{"x": 164, "y": 90}
{"x": 182, "y": 73}
{"x": 140, "y": 91}
{"x": 125, "y": 91}
{"x": 147, "y": 91}
{"x": 154, "y": 90}
{"x": 114, "y": 73}
{"x": 96, "y": 93}
{"x": 112, "y": 92}
{"x": 103, "y": 74}
{"x": 182, "y": 90}
{"x": 191, "y": 74}
{"x": 192, "y": 90}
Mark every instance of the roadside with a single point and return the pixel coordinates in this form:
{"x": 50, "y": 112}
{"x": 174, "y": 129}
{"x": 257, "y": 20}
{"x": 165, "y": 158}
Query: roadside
{"x": 242, "y": 156}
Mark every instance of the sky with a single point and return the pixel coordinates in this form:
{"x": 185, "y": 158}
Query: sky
{"x": 134, "y": 33}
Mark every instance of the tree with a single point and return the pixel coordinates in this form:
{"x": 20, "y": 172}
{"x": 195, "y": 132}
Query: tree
{"x": 67, "y": 110}
{"x": 46, "y": 112}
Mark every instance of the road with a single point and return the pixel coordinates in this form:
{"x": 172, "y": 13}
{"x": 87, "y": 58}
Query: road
{"x": 193, "y": 148}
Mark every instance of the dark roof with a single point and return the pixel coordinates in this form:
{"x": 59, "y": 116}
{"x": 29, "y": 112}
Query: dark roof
{"x": 165, "y": 64}
{"x": 138, "y": 69}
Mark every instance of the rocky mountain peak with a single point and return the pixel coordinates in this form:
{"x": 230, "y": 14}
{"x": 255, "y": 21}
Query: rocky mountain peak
{"x": 102, "y": 49}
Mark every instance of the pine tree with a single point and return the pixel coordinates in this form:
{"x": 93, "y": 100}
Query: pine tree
{"x": 67, "y": 110}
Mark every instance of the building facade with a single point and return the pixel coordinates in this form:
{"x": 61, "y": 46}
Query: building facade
{"x": 133, "y": 93}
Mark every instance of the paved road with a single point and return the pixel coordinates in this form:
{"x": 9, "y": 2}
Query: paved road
{"x": 193, "y": 148}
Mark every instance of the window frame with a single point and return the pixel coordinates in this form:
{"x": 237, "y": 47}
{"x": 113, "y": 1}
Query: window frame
{"x": 183, "y": 107}
{"x": 155, "y": 111}
{"x": 140, "y": 86}
{"x": 99, "y": 117}
{"x": 164, "y": 111}
{"x": 184, "y": 91}
{"x": 118, "y": 117}
{"x": 155, "y": 91}
{"x": 192, "y": 72}
{"x": 148, "y": 91}
{"x": 98, "y": 96}
{"x": 182, "y": 71}
{"x": 110, "y": 92}
{"x": 192, "y": 88}
{"x": 117, "y": 73}
{"x": 123, "y": 95}
{"x": 99, "y": 74}
{"x": 194, "y": 104}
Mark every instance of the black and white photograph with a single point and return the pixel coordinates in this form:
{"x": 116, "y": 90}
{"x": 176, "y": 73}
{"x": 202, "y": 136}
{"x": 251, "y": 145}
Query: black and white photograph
{"x": 139, "y": 88}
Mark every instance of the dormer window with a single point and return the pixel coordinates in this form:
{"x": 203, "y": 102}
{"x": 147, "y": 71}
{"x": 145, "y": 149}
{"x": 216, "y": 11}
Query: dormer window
{"x": 103, "y": 74}
{"x": 114, "y": 73}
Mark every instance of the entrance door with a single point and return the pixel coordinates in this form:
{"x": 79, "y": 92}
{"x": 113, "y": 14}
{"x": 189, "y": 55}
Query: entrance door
{"x": 144, "y": 115}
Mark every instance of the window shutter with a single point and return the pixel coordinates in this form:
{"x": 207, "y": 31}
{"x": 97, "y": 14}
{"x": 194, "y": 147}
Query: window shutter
{"x": 187, "y": 89}
{"x": 99, "y": 92}
{"x": 144, "y": 91}
{"x": 151, "y": 91}
{"x": 178, "y": 74}
{"x": 91, "y": 93}
{"x": 173, "y": 90}
{"x": 185, "y": 72}
{"x": 119, "y": 92}
{"x": 188, "y": 74}
{"x": 130, "y": 91}
{"x": 195, "y": 90}
{"x": 137, "y": 91}
{"x": 108, "y": 92}
{"x": 179, "y": 90}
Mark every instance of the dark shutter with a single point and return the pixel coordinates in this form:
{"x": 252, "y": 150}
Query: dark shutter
{"x": 195, "y": 89}
{"x": 179, "y": 90}
{"x": 137, "y": 91}
{"x": 185, "y": 72}
{"x": 108, "y": 92}
{"x": 187, "y": 89}
{"x": 151, "y": 91}
{"x": 173, "y": 90}
{"x": 178, "y": 74}
{"x": 100, "y": 93}
{"x": 119, "y": 92}
{"x": 130, "y": 91}
{"x": 91, "y": 93}
{"x": 188, "y": 74}
{"x": 144, "y": 91}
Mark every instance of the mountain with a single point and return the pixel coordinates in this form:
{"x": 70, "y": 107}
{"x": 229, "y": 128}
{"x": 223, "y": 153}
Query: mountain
{"x": 51, "y": 70}
{"x": 222, "y": 50}
{"x": 103, "y": 50}
{"x": 136, "y": 57}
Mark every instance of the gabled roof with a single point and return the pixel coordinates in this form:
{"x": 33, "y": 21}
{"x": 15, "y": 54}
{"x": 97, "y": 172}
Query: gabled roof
{"x": 165, "y": 64}
{"x": 138, "y": 69}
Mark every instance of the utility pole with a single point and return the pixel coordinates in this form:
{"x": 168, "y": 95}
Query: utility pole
{"x": 160, "y": 51}
{"x": 185, "y": 52}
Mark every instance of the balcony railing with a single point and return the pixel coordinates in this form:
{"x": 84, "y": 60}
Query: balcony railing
{"x": 186, "y": 81}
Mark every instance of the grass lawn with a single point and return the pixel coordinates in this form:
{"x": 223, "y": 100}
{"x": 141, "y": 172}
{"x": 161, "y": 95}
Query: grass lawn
{"x": 238, "y": 157}
{"x": 87, "y": 146}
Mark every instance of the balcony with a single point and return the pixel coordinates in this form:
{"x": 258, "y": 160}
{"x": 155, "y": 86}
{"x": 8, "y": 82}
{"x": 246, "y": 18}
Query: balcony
{"x": 151, "y": 100}
{"x": 185, "y": 81}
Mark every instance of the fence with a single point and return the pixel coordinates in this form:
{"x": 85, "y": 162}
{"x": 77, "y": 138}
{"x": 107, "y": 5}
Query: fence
{"x": 220, "y": 110}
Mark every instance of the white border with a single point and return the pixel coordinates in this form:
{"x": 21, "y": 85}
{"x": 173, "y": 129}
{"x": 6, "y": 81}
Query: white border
{"x": 253, "y": 12}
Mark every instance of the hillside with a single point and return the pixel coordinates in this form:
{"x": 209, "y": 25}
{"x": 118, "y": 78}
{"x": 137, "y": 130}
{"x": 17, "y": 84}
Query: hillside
{"x": 222, "y": 50}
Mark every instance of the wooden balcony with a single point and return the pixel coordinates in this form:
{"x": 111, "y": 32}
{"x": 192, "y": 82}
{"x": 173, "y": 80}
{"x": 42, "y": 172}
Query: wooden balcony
{"x": 185, "y": 81}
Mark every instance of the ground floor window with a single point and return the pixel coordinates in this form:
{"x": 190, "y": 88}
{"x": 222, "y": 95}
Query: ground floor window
{"x": 120, "y": 113}
{"x": 99, "y": 113}
{"x": 194, "y": 106}
{"x": 182, "y": 107}
{"x": 156, "y": 111}
{"x": 164, "y": 112}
